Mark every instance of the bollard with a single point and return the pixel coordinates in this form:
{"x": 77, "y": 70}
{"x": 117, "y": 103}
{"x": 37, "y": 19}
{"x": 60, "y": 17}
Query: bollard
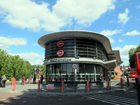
{"x": 29, "y": 80}
{"x": 108, "y": 85}
{"x": 47, "y": 80}
{"x": 24, "y": 80}
{"x": 121, "y": 83}
{"x": 87, "y": 86}
{"x": 38, "y": 86}
{"x": 14, "y": 86}
{"x": 62, "y": 86}
{"x": 13, "y": 81}
{"x": 127, "y": 81}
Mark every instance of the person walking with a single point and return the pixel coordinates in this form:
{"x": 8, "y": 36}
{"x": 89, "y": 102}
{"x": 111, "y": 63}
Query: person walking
{"x": 41, "y": 78}
{"x": 22, "y": 83}
{"x": 34, "y": 79}
{"x": 0, "y": 80}
{"x": 3, "y": 80}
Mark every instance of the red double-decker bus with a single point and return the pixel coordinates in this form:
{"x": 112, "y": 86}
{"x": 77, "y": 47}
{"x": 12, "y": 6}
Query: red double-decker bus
{"x": 133, "y": 72}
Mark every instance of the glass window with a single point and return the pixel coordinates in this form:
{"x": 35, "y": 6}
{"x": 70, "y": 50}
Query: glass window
{"x": 69, "y": 69}
{"x": 139, "y": 56}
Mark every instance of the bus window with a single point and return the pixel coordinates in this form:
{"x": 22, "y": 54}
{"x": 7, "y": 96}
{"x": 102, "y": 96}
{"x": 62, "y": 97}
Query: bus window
{"x": 139, "y": 56}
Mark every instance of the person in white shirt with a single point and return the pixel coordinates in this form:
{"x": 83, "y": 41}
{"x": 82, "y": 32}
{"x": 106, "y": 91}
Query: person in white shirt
{"x": 3, "y": 80}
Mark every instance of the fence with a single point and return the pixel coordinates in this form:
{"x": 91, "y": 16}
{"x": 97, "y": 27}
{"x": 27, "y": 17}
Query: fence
{"x": 83, "y": 87}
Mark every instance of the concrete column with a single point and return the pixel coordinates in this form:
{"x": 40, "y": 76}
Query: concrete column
{"x": 75, "y": 74}
{"x": 95, "y": 72}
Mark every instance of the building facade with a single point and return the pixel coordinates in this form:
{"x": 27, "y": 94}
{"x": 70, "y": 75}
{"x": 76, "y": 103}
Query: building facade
{"x": 77, "y": 56}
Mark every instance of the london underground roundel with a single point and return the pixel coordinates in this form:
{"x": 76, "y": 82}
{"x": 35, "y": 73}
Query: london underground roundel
{"x": 60, "y": 53}
{"x": 60, "y": 43}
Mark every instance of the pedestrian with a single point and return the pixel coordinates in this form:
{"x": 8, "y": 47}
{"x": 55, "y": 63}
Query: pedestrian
{"x": 0, "y": 80}
{"x": 98, "y": 80}
{"x": 3, "y": 80}
{"x": 34, "y": 79}
{"x": 22, "y": 82}
{"x": 41, "y": 78}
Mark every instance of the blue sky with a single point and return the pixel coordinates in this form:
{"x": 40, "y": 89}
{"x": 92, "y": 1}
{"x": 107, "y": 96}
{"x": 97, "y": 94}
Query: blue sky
{"x": 23, "y": 22}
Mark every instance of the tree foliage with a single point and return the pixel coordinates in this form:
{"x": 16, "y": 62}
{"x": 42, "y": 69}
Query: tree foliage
{"x": 132, "y": 58}
{"x": 14, "y": 66}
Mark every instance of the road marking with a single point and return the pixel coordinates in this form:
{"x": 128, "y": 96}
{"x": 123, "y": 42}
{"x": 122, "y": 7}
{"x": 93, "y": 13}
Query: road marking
{"x": 114, "y": 100}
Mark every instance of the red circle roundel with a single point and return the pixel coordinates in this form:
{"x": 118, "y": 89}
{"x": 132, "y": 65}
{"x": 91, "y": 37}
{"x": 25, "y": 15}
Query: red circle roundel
{"x": 60, "y": 43}
{"x": 60, "y": 53}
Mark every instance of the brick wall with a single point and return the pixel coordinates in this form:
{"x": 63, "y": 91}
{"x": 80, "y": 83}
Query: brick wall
{"x": 118, "y": 70}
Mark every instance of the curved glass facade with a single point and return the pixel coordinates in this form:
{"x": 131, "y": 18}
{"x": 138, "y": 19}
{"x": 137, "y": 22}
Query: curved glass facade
{"x": 76, "y": 48}
{"x": 58, "y": 72}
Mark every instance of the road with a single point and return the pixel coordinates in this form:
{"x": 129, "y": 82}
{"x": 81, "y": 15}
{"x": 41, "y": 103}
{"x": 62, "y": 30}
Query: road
{"x": 117, "y": 98}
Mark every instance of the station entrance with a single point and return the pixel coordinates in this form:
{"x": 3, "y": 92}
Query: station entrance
{"x": 84, "y": 72}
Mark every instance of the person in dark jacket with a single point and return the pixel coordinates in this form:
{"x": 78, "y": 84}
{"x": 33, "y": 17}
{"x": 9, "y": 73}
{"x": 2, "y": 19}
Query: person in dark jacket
{"x": 41, "y": 78}
{"x": 34, "y": 79}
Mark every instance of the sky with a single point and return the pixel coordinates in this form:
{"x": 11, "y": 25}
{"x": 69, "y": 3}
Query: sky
{"x": 23, "y": 22}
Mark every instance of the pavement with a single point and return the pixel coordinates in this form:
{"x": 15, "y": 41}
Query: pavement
{"x": 94, "y": 89}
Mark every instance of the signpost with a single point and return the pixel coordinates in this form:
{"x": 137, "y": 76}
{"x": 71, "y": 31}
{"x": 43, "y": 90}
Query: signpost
{"x": 74, "y": 66}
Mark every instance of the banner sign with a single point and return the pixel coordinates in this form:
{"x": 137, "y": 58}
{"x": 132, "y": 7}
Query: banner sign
{"x": 50, "y": 86}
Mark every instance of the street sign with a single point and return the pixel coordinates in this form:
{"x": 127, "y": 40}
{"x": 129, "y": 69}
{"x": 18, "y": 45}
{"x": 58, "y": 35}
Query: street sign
{"x": 50, "y": 86}
{"x": 74, "y": 65}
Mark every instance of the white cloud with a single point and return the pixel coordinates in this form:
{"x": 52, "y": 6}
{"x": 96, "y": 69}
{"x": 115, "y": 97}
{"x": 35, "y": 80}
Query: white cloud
{"x": 124, "y": 51}
{"x": 82, "y": 11}
{"x": 5, "y": 42}
{"x": 123, "y": 17}
{"x": 132, "y": 33}
{"x": 125, "y": 63}
{"x": 28, "y": 14}
{"x": 35, "y": 44}
{"x": 137, "y": 19}
{"x": 37, "y": 61}
{"x": 33, "y": 58}
{"x": 120, "y": 40}
{"x": 138, "y": 7}
{"x": 110, "y": 33}
{"x": 111, "y": 40}
{"x": 112, "y": 21}
{"x": 28, "y": 56}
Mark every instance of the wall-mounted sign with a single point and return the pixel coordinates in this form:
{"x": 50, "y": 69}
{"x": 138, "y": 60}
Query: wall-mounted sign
{"x": 60, "y": 53}
{"x": 60, "y": 43}
{"x": 60, "y": 60}
{"x": 74, "y": 65}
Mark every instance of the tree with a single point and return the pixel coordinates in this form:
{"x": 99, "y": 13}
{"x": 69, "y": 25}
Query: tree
{"x": 14, "y": 66}
{"x": 132, "y": 58}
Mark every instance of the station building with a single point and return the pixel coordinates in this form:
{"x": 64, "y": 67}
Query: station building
{"x": 78, "y": 56}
